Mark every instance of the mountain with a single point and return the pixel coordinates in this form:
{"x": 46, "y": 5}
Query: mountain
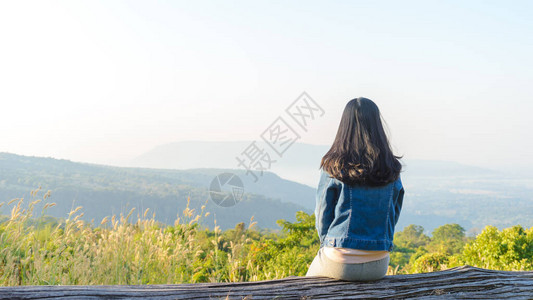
{"x": 105, "y": 190}
{"x": 437, "y": 192}
{"x": 300, "y": 162}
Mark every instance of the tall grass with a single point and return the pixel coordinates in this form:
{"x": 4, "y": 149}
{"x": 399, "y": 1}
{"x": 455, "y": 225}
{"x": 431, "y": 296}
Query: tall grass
{"x": 36, "y": 249}
{"x": 39, "y": 250}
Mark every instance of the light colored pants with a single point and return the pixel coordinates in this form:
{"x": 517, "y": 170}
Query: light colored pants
{"x": 323, "y": 266}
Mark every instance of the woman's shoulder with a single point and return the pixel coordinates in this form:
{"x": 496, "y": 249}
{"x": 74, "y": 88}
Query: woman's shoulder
{"x": 398, "y": 182}
{"x": 329, "y": 180}
{"x": 325, "y": 174}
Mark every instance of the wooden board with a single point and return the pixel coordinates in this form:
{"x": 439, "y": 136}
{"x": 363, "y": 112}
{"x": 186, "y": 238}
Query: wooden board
{"x": 458, "y": 283}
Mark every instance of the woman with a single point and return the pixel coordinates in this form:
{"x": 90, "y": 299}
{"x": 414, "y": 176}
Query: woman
{"x": 359, "y": 198}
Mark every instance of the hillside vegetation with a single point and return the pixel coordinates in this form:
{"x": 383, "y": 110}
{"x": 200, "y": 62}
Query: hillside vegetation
{"x": 437, "y": 193}
{"x": 105, "y": 190}
{"x": 37, "y": 249}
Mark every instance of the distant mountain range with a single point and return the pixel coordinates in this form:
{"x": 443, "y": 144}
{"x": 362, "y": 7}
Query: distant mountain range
{"x": 437, "y": 192}
{"x": 104, "y": 190}
{"x": 299, "y": 163}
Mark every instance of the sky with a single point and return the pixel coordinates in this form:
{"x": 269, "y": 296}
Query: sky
{"x": 105, "y": 81}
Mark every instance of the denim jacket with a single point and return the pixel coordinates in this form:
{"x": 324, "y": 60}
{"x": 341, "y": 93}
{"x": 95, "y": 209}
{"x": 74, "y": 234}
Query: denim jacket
{"x": 357, "y": 217}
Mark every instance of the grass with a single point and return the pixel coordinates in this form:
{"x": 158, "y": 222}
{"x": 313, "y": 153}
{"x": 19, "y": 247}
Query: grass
{"x": 36, "y": 249}
{"x": 40, "y": 250}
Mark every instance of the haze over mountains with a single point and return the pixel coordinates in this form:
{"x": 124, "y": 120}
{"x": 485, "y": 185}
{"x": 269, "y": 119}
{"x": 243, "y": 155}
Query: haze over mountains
{"x": 437, "y": 192}
{"x": 299, "y": 163}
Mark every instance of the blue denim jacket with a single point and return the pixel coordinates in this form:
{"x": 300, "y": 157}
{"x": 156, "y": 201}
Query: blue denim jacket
{"x": 357, "y": 217}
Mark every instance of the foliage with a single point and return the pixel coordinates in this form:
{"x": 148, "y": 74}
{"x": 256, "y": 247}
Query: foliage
{"x": 430, "y": 262}
{"x": 46, "y": 250}
{"x": 409, "y": 244}
{"x": 105, "y": 190}
{"x": 448, "y": 239}
{"x": 36, "y": 249}
{"x": 509, "y": 249}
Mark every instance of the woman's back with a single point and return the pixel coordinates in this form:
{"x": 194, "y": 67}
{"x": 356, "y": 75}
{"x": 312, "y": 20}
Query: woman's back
{"x": 359, "y": 198}
{"x": 357, "y": 216}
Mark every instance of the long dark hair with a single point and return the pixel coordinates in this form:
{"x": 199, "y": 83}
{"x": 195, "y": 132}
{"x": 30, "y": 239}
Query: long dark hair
{"x": 361, "y": 153}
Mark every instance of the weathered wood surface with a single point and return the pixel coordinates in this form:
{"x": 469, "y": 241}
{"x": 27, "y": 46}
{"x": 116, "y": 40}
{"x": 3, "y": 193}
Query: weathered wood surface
{"x": 457, "y": 283}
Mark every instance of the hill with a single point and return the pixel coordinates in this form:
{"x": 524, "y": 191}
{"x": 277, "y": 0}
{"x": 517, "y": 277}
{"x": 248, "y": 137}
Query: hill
{"x": 437, "y": 192}
{"x": 105, "y": 190}
{"x": 299, "y": 163}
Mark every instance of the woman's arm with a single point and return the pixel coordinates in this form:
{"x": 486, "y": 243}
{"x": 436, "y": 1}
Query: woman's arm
{"x": 398, "y": 205}
{"x": 326, "y": 199}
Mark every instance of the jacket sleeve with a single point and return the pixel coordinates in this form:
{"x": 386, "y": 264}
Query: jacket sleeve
{"x": 398, "y": 205}
{"x": 326, "y": 199}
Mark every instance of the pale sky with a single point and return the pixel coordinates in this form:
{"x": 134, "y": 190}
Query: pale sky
{"x": 105, "y": 81}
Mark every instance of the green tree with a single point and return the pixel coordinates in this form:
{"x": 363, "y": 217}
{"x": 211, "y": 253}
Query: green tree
{"x": 430, "y": 262}
{"x": 510, "y": 249}
{"x": 289, "y": 253}
{"x": 448, "y": 239}
{"x": 412, "y": 236}
{"x": 406, "y": 244}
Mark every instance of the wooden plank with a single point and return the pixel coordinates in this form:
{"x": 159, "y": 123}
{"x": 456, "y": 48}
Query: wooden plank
{"x": 458, "y": 283}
